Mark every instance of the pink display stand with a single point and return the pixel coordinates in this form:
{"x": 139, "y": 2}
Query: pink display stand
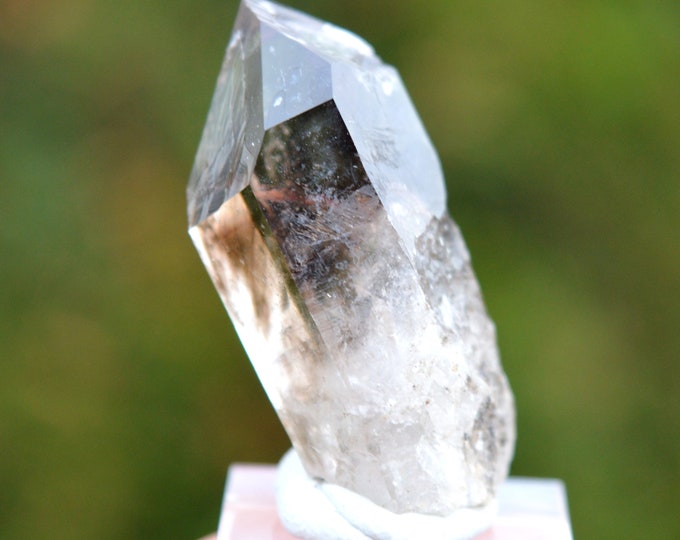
{"x": 529, "y": 508}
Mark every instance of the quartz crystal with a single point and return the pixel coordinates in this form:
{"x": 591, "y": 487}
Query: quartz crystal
{"x": 318, "y": 206}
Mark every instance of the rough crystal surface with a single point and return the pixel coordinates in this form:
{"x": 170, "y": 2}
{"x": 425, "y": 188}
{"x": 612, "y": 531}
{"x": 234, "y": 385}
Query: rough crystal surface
{"x": 317, "y": 204}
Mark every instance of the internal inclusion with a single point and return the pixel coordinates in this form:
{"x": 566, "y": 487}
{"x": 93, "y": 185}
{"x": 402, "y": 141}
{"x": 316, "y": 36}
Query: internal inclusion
{"x": 315, "y": 194}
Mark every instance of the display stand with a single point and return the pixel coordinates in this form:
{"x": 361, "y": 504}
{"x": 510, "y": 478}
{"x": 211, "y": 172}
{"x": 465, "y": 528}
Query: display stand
{"x": 529, "y": 508}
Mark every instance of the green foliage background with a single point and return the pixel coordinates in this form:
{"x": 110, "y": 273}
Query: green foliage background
{"x": 124, "y": 393}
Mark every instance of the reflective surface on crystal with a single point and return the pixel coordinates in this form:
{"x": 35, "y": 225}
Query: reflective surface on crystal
{"x": 317, "y": 205}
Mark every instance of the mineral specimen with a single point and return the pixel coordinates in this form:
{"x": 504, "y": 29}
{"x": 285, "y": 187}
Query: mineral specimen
{"x": 317, "y": 204}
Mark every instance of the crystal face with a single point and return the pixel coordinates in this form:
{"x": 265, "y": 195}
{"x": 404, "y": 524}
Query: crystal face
{"x": 317, "y": 204}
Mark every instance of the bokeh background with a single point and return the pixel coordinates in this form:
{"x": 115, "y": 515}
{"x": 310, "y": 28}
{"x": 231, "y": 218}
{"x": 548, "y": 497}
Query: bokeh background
{"x": 124, "y": 393}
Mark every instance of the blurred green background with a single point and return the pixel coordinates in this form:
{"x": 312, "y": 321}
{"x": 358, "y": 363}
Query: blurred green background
{"x": 124, "y": 393}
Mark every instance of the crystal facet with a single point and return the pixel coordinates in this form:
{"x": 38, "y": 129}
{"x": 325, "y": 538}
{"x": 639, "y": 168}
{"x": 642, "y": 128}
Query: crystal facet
{"x": 317, "y": 204}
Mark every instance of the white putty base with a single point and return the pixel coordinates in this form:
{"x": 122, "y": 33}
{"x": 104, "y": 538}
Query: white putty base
{"x": 528, "y": 508}
{"x": 311, "y": 509}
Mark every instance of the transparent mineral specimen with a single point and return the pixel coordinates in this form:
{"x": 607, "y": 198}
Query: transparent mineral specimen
{"x": 317, "y": 204}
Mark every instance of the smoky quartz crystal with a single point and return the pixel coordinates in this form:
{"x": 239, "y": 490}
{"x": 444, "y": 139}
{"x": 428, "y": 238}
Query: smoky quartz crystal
{"x": 317, "y": 204}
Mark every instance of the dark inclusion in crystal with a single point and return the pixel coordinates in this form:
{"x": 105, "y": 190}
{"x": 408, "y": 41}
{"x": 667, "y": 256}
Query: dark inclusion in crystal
{"x": 314, "y": 192}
